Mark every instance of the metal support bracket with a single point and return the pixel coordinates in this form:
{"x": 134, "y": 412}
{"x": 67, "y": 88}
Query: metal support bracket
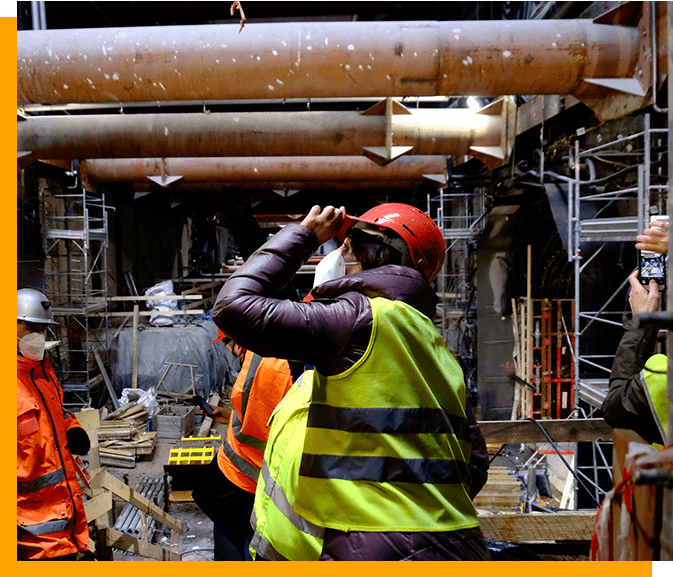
{"x": 495, "y": 156}
{"x": 383, "y": 155}
{"x": 612, "y": 98}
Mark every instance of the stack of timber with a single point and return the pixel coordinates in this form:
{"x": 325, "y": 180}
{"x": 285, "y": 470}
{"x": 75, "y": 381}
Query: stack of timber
{"x": 122, "y": 436}
{"x": 140, "y": 444}
{"x": 563, "y": 527}
{"x": 502, "y": 492}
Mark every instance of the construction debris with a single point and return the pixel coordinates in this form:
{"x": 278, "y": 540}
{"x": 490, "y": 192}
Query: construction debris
{"x": 122, "y": 436}
{"x": 131, "y": 520}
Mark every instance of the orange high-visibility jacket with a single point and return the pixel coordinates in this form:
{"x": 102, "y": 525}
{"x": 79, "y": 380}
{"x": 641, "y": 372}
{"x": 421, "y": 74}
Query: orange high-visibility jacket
{"x": 50, "y": 514}
{"x": 260, "y": 386}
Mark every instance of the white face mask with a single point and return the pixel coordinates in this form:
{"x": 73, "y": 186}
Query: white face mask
{"x": 331, "y": 266}
{"x": 32, "y": 346}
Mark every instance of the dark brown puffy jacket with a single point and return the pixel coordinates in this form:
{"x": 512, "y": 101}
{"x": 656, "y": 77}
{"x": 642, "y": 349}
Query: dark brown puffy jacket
{"x": 331, "y": 332}
{"x": 625, "y": 406}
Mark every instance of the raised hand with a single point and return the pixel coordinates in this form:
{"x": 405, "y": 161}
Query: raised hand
{"x": 324, "y": 223}
{"x": 654, "y": 239}
{"x": 642, "y": 300}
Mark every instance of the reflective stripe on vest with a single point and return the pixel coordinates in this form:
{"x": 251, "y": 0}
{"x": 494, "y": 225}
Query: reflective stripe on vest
{"x": 385, "y": 469}
{"x": 276, "y": 495}
{"x": 387, "y": 441}
{"x": 55, "y": 526}
{"x": 654, "y": 375}
{"x": 249, "y": 440}
{"x": 47, "y": 480}
{"x": 248, "y": 469}
{"x": 280, "y": 533}
{"x": 247, "y": 385}
{"x": 390, "y": 420}
{"x": 242, "y": 464}
{"x": 262, "y": 547}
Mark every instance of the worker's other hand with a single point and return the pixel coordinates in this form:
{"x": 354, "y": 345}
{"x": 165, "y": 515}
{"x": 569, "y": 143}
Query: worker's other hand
{"x": 642, "y": 300}
{"x": 654, "y": 239}
{"x": 78, "y": 440}
{"x": 220, "y": 415}
{"x": 324, "y": 223}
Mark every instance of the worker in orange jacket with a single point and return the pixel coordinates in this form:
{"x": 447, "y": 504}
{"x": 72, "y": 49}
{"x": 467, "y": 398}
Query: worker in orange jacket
{"x": 226, "y": 490}
{"x": 51, "y": 523}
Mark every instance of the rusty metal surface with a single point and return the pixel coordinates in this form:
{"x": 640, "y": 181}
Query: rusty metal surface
{"x": 336, "y": 59}
{"x": 613, "y": 97}
{"x": 259, "y": 169}
{"x": 444, "y": 132}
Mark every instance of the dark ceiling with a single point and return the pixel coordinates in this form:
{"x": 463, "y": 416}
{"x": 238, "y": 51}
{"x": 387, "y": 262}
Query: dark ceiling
{"x": 123, "y": 14}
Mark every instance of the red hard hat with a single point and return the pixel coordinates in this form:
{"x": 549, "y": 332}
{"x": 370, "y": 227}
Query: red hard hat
{"x": 220, "y": 336}
{"x": 419, "y": 232}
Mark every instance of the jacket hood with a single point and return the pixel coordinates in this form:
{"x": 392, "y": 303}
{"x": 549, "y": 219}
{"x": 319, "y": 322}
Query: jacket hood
{"x": 391, "y": 281}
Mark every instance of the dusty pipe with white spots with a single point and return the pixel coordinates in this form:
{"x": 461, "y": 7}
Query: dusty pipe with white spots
{"x": 318, "y": 59}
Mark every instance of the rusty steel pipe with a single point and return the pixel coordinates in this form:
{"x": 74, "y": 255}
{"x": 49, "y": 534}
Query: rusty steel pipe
{"x": 320, "y": 59}
{"x": 451, "y": 132}
{"x": 186, "y": 188}
{"x": 261, "y": 169}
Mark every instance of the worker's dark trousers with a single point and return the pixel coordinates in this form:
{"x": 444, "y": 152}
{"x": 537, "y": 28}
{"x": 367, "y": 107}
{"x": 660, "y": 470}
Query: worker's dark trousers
{"x": 229, "y": 507}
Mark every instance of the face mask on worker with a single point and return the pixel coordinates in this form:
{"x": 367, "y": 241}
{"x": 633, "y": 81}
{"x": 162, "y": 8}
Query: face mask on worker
{"x": 331, "y": 266}
{"x": 32, "y": 346}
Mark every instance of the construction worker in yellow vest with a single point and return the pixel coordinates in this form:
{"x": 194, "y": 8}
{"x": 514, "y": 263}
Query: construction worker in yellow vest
{"x": 391, "y": 454}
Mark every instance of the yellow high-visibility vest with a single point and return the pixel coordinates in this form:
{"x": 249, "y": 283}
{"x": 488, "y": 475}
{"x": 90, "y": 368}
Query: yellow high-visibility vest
{"x": 280, "y": 534}
{"x": 387, "y": 442}
{"x": 654, "y": 374}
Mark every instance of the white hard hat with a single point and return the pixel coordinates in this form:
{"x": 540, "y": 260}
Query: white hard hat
{"x": 33, "y": 307}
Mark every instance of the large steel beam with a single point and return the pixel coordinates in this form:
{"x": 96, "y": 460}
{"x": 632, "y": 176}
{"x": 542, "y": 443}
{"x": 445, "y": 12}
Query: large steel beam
{"x": 260, "y": 169}
{"x": 319, "y": 59}
{"x": 423, "y": 132}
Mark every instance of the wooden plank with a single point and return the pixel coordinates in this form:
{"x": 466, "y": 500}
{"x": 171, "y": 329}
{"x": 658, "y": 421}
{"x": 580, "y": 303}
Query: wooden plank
{"x": 137, "y": 500}
{"x": 560, "y": 430}
{"x": 528, "y": 342}
{"x": 106, "y": 378}
{"x": 532, "y": 527}
{"x": 90, "y": 420}
{"x": 131, "y": 411}
{"x": 642, "y": 537}
{"x": 150, "y": 313}
{"x": 199, "y": 303}
{"x": 120, "y": 327}
{"x": 202, "y": 287}
{"x": 134, "y": 375}
{"x": 120, "y": 410}
{"x": 181, "y": 297}
{"x": 119, "y": 540}
{"x": 99, "y": 505}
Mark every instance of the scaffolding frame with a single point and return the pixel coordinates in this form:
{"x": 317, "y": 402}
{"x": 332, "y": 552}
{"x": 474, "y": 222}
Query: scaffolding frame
{"x": 75, "y": 242}
{"x": 601, "y": 231}
{"x": 604, "y": 230}
{"x": 459, "y": 212}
